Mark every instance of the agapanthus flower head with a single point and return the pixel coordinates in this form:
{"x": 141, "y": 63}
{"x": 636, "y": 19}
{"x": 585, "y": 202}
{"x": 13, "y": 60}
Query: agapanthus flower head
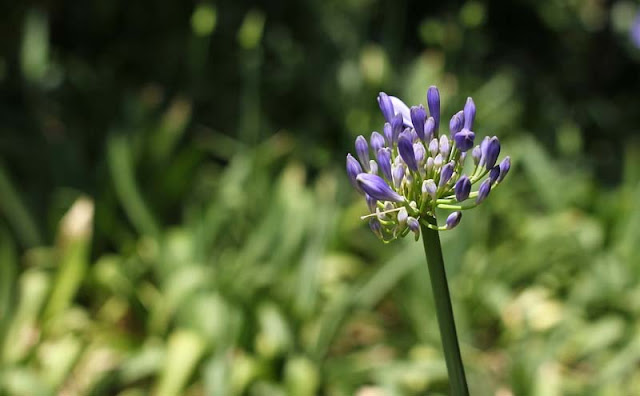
{"x": 410, "y": 170}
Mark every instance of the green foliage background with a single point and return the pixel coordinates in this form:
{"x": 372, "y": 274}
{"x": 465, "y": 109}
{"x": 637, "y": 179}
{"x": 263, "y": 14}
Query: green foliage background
{"x": 175, "y": 218}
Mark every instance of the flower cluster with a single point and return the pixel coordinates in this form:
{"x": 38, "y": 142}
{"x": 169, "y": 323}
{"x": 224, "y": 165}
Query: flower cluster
{"x": 415, "y": 169}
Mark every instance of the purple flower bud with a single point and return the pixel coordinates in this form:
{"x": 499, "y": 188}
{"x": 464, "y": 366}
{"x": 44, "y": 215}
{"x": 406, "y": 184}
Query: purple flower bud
{"x": 453, "y": 219}
{"x": 402, "y": 215}
{"x": 444, "y": 146}
{"x": 429, "y": 188}
{"x": 413, "y": 225}
{"x": 476, "y": 154}
{"x": 384, "y": 161}
{"x": 377, "y": 141}
{"x": 437, "y": 161}
{"x": 420, "y": 152}
{"x": 371, "y": 203}
{"x": 429, "y": 128}
{"x": 397, "y": 174}
{"x": 353, "y": 170}
{"x": 456, "y": 123}
{"x": 377, "y": 188}
{"x": 388, "y": 133}
{"x": 362, "y": 150}
{"x": 384, "y": 101}
{"x": 445, "y": 174}
{"x": 373, "y": 167}
{"x": 491, "y": 152}
{"x": 434, "y": 147}
{"x": 419, "y": 117}
{"x": 429, "y": 164}
{"x": 494, "y": 174}
{"x": 433, "y": 102}
{"x": 405, "y": 148}
{"x": 462, "y": 188}
{"x": 464, "y": 139}
{"x": 396, "y": 126}
{"x": 483, "y": 191}
{"x": 469, "y": 113}
{"x": 376, "y": 227}
{"x": 414, "y": 135}
{"x": 505, "y": 165}
{"x": 406, "y": 133}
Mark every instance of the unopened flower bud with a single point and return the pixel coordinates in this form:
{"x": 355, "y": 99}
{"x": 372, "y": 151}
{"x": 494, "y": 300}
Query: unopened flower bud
{"x": 396, "y": 126}
{"x": 413, "y": 225}
{"x": 469, "y": 113}
{"x": 377, "y": 141}
{"x": 377, "y": 188}
{"x": 353, "y": 170}
{"x": 402, "y": 216}
{"x": 429, "y": 164}
{"x": 444, "y": 146}
{"x": 494, "y": 174}
{"x": 429, "y": 188}
{"x": 405, "y": 148}
{"x": 362, "y": 150}
{"x": 388, "y": 133}
{"x": 491, "y": 152}
{"x": 434, "y": 147}
{"x": 373, "y": 167}
{"x": 384, "y": 162}
{"x": 462, "y": 188}
{"x": 445, "y": 174}
{"x": 476, "y": 154}
{"x": 429, "y": 128}
{"x": 505, "y": 165}
{"x": 437, "y": 161}
{"x": 464, "y": 139}
{"x": 453, "y": 219}
{"x": 418, "y": 118}
{"x": 483, "y": 191}
{"x": 397, "y": 174}
{"x": 385, "y": 106}
{"x": 456, "y": 123}
{"x": 433, "y": 102}
{"x": 420, "y": 152}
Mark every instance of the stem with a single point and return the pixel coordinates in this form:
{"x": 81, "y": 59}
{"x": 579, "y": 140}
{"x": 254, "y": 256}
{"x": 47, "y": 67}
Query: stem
{"x": 444, "y": 312}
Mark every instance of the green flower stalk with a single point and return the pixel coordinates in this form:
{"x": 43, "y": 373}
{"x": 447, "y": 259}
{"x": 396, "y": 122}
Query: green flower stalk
{"x": 417, "y": 170}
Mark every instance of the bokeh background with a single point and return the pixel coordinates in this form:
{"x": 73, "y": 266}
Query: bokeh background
{"x": 175, "y": 218}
